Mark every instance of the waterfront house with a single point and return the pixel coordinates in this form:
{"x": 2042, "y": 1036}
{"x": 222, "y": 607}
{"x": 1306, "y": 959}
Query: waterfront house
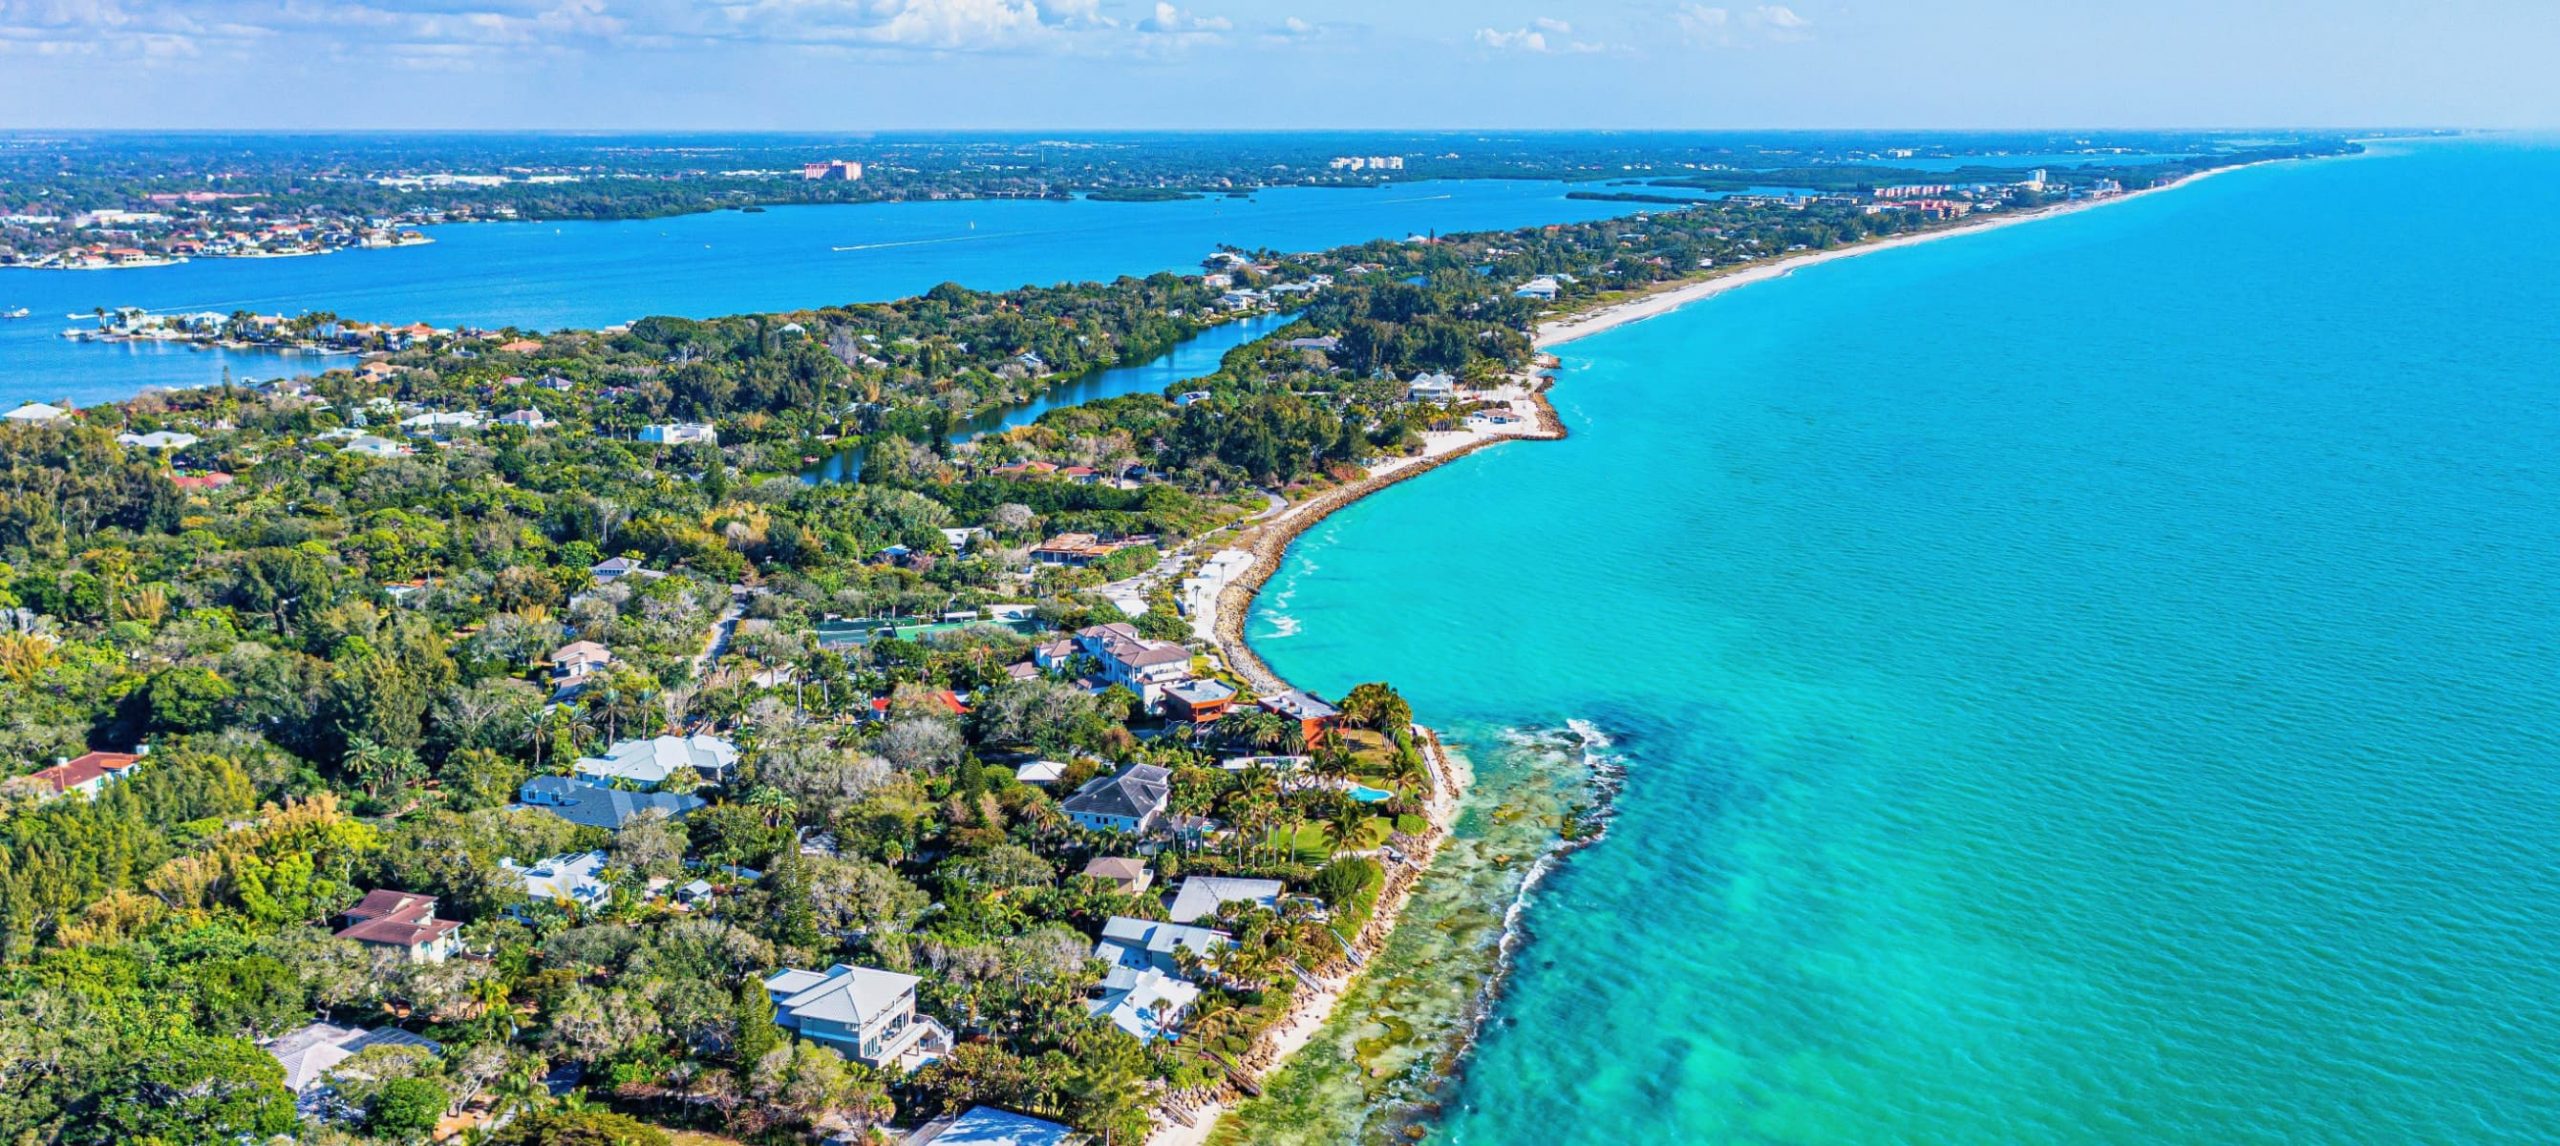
{"x": 576, "y": 878}
{"x": 1543, "y": 288}
{"x": 87, "y": 774}
{"x": 404, "y": 922}
{"x": 1141, "y": 664}
{"x": 1198, "y": 701}
{"x": 310, "y": 1052}
{"x": 989, "y": 1126}
{"x": 589, "y": 805}
{"x": 1128, "y": 800}
{"x": 680, "y": 433}
{"x": 1142, "y": 989}
{"x": 34, "y": 412}
{"x": 648, "y": 763}
{"x": 865, "y": 1014}
{"x": 1075, "y": 550}
{"x": 1147, "y": 1003}
{"x": 1432, "y": 387}
{"x": 1200, "y": 896}
{"x": 1314, "y": 716}
{"x": 1122, "y": 873}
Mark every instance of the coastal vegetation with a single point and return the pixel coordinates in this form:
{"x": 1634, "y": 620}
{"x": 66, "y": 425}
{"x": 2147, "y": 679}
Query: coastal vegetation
{"x": 370, "y": 626}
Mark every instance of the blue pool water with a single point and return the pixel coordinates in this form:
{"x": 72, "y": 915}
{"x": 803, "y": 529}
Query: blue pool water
{"x": 572, "y": 274}
{"x": 2089, "y": 682}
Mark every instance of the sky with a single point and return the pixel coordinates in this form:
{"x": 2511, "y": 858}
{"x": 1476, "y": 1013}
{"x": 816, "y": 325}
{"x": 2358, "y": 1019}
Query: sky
{"x": 856, "y": 65}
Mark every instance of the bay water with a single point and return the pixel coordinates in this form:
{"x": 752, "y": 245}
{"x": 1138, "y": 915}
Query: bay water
{"x": 547, "y": 276}
{"x": 2093, "y": 681}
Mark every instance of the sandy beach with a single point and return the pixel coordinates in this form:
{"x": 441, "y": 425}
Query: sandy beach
{"x": 1531, "y": 418}
{"x": 1667, "y": 299}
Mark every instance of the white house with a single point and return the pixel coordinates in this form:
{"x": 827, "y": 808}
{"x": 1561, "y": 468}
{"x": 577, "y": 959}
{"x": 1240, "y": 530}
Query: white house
{"x": 1543, "y": 288}
{"x": 574, "y": 878}
{"x": 37, "y": 412}
{"x": 1141, "y": 665}
{"x": 1129, "y": 800}
{"x": 441, "y": 421}
{"x": 528, "y": 418}
{"x": 1200, "y": 896}
{"x": 1142, "y": 989}
{"x": 649, "y": 762}
{"x": 680, "y": 433}
{"x": 158, "y": 440}
{"x": 862, "y": 1013}
{"x": 1433, "y": 387}
{"x": 309, "y": 1053}
{"x": 375, "y": 447}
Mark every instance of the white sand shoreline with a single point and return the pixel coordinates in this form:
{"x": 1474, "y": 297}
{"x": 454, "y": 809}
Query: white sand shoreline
{"x": 1662, "y": 302}
{"x": 1526, "y": 401}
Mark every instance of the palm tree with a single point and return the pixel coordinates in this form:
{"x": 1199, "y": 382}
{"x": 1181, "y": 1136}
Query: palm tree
{"x": 1345, "y": 826}
{"x": 773, "y": 805}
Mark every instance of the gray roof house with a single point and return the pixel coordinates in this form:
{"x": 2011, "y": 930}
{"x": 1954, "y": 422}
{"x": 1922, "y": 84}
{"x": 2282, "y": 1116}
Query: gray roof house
{"x": 310, "y": 1053}
{"x": 1128, "y": 800}
{"x": 1143, "y": 991}
{"x": 1200, "y": 896}
{"x": 864, "y": 1013}
{"x": 649, "y": 762}
{"x": 990, "y": 1126}
{"x": 590, "y": 806}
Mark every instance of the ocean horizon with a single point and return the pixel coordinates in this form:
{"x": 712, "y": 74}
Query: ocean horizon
{"x": 2084, "y": 682}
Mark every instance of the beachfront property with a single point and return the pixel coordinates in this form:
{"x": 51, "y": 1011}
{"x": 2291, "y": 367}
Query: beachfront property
{"x": 1129, "y": 800}
{"x": 309, "y": 1053}
{"x": 1143, "y": 990}
{"x": 1544, "y": 288}
{"x": 1314, "y": 716}
{"x": 36, "y": 413}
{"x": 680, "y": 433}
{"x": 404, "y": 922}
{"x": 990, "y": 1126}
{"x": 1126, "y": 875}
{"x": 1198, "y": 701}
{"x": 576, "y": 878}
{"x": 593, "y": 806}
{"x": 1434, "y": 386}
{"x": 1199, "y": 897}
{"x": 1074, "y": 550}
{"x": 1139, "y": 664}
{"x": 865, "y": 1014}
{"x": 648, "y": 763}
{"x": 87, "y": 774}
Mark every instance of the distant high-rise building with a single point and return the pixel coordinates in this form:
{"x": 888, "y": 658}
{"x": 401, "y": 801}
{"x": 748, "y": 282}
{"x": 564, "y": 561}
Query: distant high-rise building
{"x": 831, "y": 169}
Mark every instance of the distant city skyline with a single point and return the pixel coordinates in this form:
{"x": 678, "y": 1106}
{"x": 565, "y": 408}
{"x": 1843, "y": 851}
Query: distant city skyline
{"x": 1209, "y": 64}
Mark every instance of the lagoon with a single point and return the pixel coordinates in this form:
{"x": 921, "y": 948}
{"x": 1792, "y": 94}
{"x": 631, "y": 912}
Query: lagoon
{"x": 2086, "y": 682}
{"x": 588, "y": 274}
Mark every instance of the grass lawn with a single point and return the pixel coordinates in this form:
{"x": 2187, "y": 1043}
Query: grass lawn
{"x": 1309, "y": 845}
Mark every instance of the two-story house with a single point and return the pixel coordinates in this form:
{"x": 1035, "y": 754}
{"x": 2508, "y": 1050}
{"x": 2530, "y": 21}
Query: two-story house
{"x": 863, "y": 1013}
{"x": 1129, "y": 800}
{"x": 1141, "y": 665}
{"x": 404, "y": 922}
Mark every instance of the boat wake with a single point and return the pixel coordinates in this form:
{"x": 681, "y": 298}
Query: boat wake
{"x": 929, "y": 242}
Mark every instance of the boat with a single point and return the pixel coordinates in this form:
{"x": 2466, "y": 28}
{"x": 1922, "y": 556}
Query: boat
{"x": 20, "y": 312}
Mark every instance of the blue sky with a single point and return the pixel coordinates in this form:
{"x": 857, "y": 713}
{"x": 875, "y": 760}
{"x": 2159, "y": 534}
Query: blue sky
{"x": 891, "y": 64}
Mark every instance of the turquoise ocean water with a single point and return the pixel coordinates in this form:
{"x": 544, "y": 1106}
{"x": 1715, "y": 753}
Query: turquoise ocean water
{"x": 2096, "y": 681}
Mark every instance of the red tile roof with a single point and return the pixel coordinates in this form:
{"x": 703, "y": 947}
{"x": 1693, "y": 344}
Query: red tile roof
{"x": 395, "y": 919}
{"x": 86, "y": 769}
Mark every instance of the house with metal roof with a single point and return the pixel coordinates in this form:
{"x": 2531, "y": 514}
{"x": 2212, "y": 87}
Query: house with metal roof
{"x": 1200, "y": 896}
{"x": 1128, "y": 800}
{"x": 576, "y": 878}
{"x": 649, "y": 762}
{"x": 989, "y": 1126}
{"x": 861, "y": 1012}
{"x": 308, "y": 1054}
{"x": 595, "y": 806}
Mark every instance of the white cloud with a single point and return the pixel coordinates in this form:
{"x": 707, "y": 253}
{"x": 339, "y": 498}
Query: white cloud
{"x": 1168, "y": 20}
{"x": 1521, "y": 39}
{"x": 1551, "y": 24}
{"x": 1715, "y": 27}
